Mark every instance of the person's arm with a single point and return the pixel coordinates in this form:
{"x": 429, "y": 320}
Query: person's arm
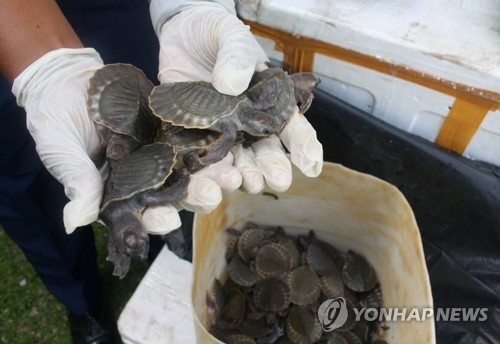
{"x": 28, "y": 30}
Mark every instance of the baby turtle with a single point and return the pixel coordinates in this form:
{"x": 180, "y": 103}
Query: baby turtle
{"x": 271, "y": 295}
{"x": 332, "y": 284}
{"x": 136, "y": 181}
{"x": 304, "y": 285}
{"x": 233, "y": 311}
{"x": 241, "y": 273}
{"x": 191, "y": 144}
{"x": 261, "y": 111}
{"x": 272, "y": 260}
{"x": 117, "y": 100}
{"x": 303, "y": 326}
{"x": 250, "y": 241}
{"x": 199, "y": 105}
{"x": 357, "y": 273}
{"x": 277, "y": 93}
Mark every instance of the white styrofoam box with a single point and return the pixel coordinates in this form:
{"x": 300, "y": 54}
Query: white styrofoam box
{"x": 159, "y": 311}
{"x": 485, "y": 144}
{"x": 408, "y": 106}
{"x": 454, "y": 40}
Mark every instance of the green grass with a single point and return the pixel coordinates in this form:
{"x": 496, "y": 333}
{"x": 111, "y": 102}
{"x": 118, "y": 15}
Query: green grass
{"x": 30, "y": 314}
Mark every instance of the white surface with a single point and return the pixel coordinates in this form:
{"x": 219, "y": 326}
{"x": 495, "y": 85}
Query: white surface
{"x": 448, "y": 38}
{"x": 159, "y": 311}
{"x": 457, "y": 40}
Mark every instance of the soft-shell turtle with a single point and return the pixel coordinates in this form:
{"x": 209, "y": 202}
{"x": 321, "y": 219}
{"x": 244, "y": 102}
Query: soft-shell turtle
{"x": 117, "y": 100}
{"x": 261, "y": 111}
{"x": 136, "y": 181}
{"x": 190, "y": 144}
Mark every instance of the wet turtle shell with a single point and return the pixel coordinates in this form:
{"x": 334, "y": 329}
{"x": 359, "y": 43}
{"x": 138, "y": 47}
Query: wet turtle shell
{"x": 117, "y": 98}
{"x": 303, "y": 326}
{"x": 272, "y": 260}
{"x": 357, "y": 273}
{"x": 271, "y": 294}
{"x": 304, "y": 285}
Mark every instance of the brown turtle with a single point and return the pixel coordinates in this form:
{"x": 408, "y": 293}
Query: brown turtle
{"x": 117, "y": 100}
{"x": 272, "y": 260}
{"x": 303, "y": 326}
{"x": 357, "y": 273}
{"x": 137, "y": 181}
{"x": 261, "y": 111}
{"x": 304, "y": 285}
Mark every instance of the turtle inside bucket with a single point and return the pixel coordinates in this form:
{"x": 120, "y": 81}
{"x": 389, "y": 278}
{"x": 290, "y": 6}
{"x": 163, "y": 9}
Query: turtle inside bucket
{"x": 281, "y": 295}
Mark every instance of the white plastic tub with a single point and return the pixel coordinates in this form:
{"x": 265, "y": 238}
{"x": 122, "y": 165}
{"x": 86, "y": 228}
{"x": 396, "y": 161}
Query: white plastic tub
{"x": 348, "y": 209}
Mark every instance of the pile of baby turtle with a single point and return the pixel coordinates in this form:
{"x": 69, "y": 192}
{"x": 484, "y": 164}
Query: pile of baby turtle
{"x": 155, "y": 137}
{"x": 276, "y": 283}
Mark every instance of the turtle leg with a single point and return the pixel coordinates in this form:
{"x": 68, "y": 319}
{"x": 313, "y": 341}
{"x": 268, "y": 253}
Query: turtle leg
{"x": 304, "y": 83}
{"x": 219, "y": 149}
{"x": 174, "y": 189}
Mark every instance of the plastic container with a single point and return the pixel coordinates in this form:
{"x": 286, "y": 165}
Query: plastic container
{"x": 348, "y": 209}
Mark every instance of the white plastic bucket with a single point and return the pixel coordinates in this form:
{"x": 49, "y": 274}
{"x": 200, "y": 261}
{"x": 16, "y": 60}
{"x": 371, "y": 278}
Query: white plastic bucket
{"x": 350, "y": 210}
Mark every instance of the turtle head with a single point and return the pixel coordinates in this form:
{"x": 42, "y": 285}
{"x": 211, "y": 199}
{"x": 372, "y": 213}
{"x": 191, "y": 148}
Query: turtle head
{"x": 258, "y": 123}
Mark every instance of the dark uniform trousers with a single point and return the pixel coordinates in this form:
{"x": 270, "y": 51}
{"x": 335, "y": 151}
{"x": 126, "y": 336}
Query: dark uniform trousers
{"x": 31, "y": 200}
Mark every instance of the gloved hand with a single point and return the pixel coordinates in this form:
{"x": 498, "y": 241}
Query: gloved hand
{"x": 53, "y": 90}
{"x": 204, "y": 40}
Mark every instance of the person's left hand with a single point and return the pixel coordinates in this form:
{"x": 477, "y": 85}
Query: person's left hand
{"x": 207, "y": 42}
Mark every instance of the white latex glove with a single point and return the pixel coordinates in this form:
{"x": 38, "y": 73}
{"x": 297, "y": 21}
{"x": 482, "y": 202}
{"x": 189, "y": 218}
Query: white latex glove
{"x": 53, "y": 91}
{"x": 204, "y": 40}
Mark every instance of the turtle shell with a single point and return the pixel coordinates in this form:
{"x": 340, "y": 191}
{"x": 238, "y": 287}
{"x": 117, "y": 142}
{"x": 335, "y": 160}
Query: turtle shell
{"x": 146, "y": 168}
{"x": 271, "y": 295}
{"x": 304, "y": 285}
{"x": 192, "y": 104}
{"x": 117, "y": 98}
{"x": 249, "y": 242}
{"x": 319, "y": 260}
{"x": 272, "y": 260}
{"x": 241, "y": 273}
{"x": 332, "y": 285}
{"x": 303, "y": 326}
{"x": 357, "y": 273}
